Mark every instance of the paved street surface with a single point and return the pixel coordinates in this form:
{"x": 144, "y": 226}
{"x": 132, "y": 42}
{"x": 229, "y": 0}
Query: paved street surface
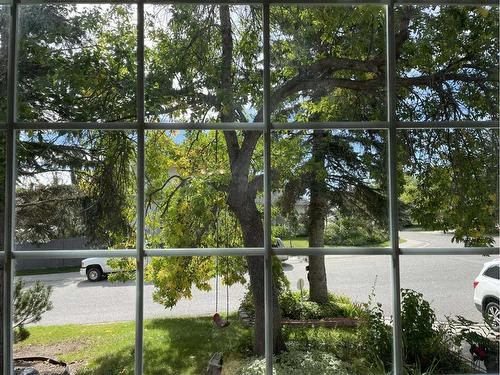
{"x": 445, "y": 281}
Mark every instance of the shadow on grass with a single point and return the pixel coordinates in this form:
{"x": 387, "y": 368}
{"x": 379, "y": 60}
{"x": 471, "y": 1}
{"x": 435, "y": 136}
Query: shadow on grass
{"x": 176, "y": 346}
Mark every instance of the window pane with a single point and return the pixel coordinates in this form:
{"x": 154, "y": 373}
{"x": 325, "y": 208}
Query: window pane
{"x": 443, "y": 299}
{"x": 194, "y": 198}
{"x": 203, "y": 63}
{"x": 493, "y": 272}
{"x": 87, "y": 325}
{"x": 449, "y": 184}
{"x": 330, "y": 188}
{"x": 4, "y": 48}
{"x": 328, "y": 63}
{"x": 77, "y": 63}
{"x": 447, "y": 62}
{"x": 75, "y": 190}
{"x": 183, "y": 294}
{"x": 336, "y": 314}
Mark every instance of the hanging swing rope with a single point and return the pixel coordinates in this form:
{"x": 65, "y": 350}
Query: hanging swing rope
{"x": 218, "y": 321}
{"x": 216, "y": 284}
{"x": 227, "y": 264}
{"x": 227, "y": 290}
{"x": 216, "y": 232}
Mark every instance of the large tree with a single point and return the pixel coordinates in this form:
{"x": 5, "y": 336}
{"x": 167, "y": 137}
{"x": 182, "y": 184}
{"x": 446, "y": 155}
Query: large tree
{"x": 204, "y": 63}
{"x": 438, "y": 80}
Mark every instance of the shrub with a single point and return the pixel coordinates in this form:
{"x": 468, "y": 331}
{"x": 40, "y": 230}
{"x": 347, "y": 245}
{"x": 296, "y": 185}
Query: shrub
{"x": 426, "y": 347}
{"x": 29, "y": 305}
{"x": 353, "y": 231}
{"x": 282, "y": 231}
{"x": 296, "y": 306}
{"x": 375, "y": 334}
{"x": 417, "y": 322}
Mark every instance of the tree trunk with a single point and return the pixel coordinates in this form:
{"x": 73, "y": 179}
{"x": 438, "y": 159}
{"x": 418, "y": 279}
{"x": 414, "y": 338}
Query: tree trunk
{"x": 318, "y": 210}
{"x": 244, "y": 207}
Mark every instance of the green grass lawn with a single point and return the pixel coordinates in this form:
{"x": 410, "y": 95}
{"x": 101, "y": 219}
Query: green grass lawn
{"x": 304, "y": 242}
{"x": 297, "y": 242}
{"x": 171, "y": 346}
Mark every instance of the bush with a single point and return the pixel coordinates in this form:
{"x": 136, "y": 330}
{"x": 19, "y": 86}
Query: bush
{"x": 426, "y": 346}
{"x": 353, "y": 231}
{"x": 417, "y": 322}
{"x": 296, "y": 306}
{"x": 375, "y": 335}
{"x": 29, "y": 305}
{"x": 282, "y": 231}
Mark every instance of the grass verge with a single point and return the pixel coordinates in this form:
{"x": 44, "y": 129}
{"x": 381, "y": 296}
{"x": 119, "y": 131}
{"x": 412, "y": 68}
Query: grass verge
{"x": 304, "y": 242}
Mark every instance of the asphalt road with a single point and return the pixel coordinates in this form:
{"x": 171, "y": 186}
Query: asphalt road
{"x": 445, "y": 281}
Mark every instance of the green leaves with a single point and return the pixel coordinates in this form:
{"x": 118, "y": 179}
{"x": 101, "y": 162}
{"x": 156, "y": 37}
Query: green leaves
{"x": 457, "y": 49}
{"x": 417, "y": 321}
{"x": 174, "y": 277}
{"x": 454, "y": 182}
{"x": 110, "y": 188}
{"x": 185, "y": 63}
{"x": 76, "y": 65}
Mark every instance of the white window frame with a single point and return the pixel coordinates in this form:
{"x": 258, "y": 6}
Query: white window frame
{"x": 391, "y": 125}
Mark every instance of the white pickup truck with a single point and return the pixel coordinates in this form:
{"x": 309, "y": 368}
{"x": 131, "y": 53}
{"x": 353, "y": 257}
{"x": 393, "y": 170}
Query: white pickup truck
{"x": 97, "y": 269}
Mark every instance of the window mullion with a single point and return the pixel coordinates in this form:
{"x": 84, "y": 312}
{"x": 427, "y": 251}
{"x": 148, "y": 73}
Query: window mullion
{"x": 139, "y": 302}
{"x": 392, "y": 188}
{"x": 268, "y": 272}
{"x": 10, "y": 194}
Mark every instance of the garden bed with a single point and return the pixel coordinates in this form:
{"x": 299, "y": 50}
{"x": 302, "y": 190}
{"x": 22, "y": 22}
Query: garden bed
{"x": 326, "y": 322}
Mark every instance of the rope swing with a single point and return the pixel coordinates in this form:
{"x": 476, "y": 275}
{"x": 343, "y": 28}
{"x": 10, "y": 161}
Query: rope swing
{"x": 219, "y": 322}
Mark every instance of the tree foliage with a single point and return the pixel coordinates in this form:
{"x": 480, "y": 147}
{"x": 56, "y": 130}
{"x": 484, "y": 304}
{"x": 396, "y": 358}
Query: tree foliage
{"x": 454, "y": 185}
{"x": 204, "y": 63}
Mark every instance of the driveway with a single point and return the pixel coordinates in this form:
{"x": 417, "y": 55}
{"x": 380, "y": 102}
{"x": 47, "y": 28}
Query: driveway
{"x": 415, "y": 238}
{"x": 445, "y": 281}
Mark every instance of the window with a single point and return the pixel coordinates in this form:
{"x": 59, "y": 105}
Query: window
{"x": 492, "y": 272}
{"x": 271, "y": 162}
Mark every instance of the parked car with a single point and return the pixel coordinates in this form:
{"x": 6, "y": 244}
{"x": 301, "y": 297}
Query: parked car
{"x": 487, "y": 292}
{"x": 95, "y": 268}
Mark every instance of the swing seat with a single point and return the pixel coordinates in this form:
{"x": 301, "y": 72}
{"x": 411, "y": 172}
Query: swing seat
{"x": 219, "y": 322}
